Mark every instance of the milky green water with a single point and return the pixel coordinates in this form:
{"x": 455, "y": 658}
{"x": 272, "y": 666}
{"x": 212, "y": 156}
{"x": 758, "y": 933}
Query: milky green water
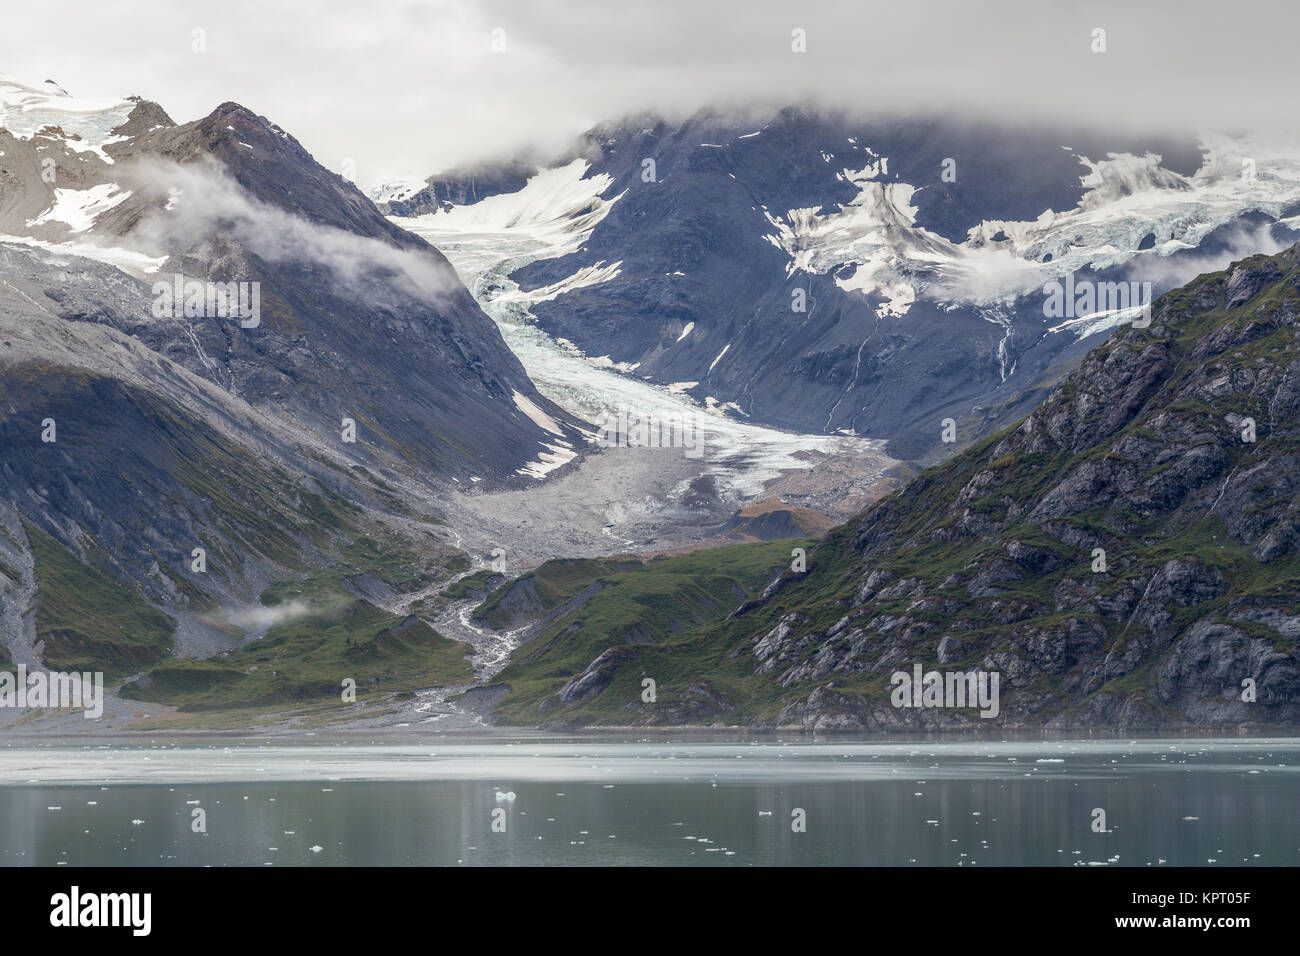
{"x": 1191, "y": 802}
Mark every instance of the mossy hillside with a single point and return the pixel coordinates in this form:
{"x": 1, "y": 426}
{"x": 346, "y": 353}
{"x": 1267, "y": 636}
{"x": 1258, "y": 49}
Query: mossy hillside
{"x": 331, "y": 633}
{"x": 87, "y": 620}
{"x": 308, "y": 658}
{"x": 147, "y": 473}
{"x": 380, "y": 557}
{"x": 549, "y": 585}
{"x": 470, "y": 585}
{"x": 659, "y": 608}
{"x": 154, "y": 483}
{"x": 139, "y": 462}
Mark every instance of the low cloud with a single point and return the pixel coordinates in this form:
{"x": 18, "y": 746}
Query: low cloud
{"x": 1169, "y": 272}
{"x": 410, "y": 88}
{"x": 261, "y": 618}
{"x": 199, "y": 202}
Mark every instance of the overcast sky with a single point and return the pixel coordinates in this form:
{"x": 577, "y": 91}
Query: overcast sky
{"x": 405, "y": 88}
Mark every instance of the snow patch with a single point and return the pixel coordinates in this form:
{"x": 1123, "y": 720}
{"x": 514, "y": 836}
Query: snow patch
{"x": 558, "y": 207}
{"x": 604, "y": 361}
{"x": 539, "y": 417}
{"x": 397, "y": 190}
{"x": 556, "y": 456}
{"x": 78, "y": 208}
{"x": 135, "y": 263}
{"x": 586, "y": 276}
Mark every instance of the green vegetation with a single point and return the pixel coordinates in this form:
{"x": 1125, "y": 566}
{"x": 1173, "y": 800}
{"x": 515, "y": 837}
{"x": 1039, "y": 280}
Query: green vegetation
{"x": 469, "y": 585}
{"x": 547, "y": 587}
{"x": 87, "y": 620}
{"x": 382, "y": 558}
{"x": 658, "y": 608}
{"x": 308, "y": 658}
{"x": 328, "y": 634}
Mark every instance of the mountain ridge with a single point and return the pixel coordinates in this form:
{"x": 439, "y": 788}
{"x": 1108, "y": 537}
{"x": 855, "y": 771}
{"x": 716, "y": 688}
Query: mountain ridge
{"x": 989, "y": 561}
{"x": 918, "y": 294}
{"x": 189, "y": 466}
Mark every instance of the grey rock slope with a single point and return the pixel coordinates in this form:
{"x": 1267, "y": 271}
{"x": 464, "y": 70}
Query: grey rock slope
{"x": 134, "y": 433}
{"x": 358, "y": 318}
{"x": 1127, "y": 556}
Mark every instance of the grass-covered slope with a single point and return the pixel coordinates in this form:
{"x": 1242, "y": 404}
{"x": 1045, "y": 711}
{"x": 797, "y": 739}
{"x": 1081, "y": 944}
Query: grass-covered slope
{"x": 542, "y": 590}
{"x": 90, "y": 622}
{"x": 147, "y": 481}
{"x": 99, "y": 526}
{"x": 992, "y": 561}
{"x": 594, "y": 613}
{"x": 309, "y": 659}
{"x": 322, "y": 632}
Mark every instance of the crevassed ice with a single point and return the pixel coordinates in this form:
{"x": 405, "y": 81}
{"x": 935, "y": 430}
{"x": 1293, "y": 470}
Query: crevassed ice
{"x": 559, "y": 207}
{"x": 27, "y": 107}
{"x": 485, "y": 251}
{"x": 1128, "y": 198}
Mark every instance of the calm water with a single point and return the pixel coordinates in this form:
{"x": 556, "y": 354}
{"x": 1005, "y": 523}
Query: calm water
{"x": 1189, "y": 802}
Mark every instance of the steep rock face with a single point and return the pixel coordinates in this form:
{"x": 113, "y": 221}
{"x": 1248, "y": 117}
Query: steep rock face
{"x": 357, "y": 318}
{"x": 824, "y": 273}
{"x": 129, "y": 462}
{"x": 1126, "y": 556}
{"x": 134, "y": 434}
{"x": 1141, "y": 454}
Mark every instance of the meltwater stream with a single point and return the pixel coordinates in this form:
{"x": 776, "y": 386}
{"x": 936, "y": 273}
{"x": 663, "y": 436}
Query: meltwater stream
{"x": 434, "y": 801}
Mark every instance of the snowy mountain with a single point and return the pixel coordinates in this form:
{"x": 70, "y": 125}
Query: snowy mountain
{"x": 357, "y": 318}
{"x": 826, "y": 274}
{"x": 27, "y": 109}
{"x": 223, "y": 368}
